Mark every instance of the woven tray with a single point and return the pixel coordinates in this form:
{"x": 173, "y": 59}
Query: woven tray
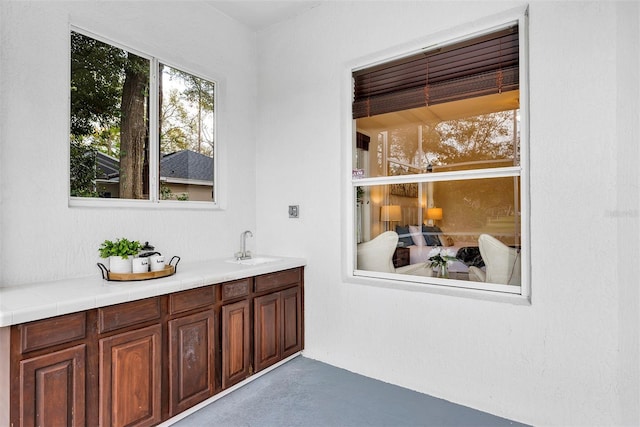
{"x": 169, "y": 270}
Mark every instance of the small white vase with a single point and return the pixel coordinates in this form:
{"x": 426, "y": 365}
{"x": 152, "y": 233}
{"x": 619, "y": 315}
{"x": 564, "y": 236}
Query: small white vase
{"x": 140, "y": 265}
{"x": 117, "y": 264}
{"x": 156, "y": 263}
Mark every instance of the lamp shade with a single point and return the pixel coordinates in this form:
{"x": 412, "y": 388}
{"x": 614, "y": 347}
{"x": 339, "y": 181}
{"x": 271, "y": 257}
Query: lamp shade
{"x": 390, "y": 213}
{"x": 434, "y": 213}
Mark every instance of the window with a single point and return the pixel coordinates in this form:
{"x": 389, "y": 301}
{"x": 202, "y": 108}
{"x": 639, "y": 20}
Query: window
{"x": 139, "y": 129}
{"x": 438, "y": 171}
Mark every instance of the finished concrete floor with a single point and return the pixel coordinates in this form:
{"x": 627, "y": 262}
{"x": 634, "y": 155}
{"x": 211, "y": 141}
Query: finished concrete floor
{"x": 305, "y": 392}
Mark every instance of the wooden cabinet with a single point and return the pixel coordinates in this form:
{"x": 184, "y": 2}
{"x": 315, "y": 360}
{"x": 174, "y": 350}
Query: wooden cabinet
{"x": 236, "y": 341}
{"x": 48, "y": 359}
{"x": 236, "y": 331}
{"x": 266, "y": 327}
{"x": 130, "y": 364}
{"x": 130, "y": 374}
{"x": 277, "y": 318}
{"x": 291, "y": 325}
{"x": 142, "y": 362}
{"x": 191, "y": 360}
{"x": 192, "y": 348}
{"x": 53, "y": 389}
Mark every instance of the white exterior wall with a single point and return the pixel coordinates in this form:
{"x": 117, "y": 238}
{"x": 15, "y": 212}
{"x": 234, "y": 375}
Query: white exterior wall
{"x": 571, "y": 357}
{"x": 43, "y": 238}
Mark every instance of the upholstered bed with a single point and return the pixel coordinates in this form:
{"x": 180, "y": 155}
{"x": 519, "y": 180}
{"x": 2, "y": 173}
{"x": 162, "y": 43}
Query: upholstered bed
{"x": 422, "y": 239}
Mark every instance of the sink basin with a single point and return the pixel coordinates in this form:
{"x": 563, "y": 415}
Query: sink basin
{"x": 253, "y": 261}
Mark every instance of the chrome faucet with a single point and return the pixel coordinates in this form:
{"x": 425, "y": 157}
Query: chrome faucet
{"x": 244, "y": 253}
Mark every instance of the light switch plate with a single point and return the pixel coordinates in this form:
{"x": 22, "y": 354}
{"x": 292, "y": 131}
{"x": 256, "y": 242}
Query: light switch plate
{"x": 294, "y": 211}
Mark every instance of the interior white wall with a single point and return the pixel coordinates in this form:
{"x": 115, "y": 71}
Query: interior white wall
{"x": 571, "y": 357}
{"x": 42, "y": 237}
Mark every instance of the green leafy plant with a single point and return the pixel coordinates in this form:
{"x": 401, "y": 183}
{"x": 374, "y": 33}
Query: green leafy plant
{"x": 121, "y": 247}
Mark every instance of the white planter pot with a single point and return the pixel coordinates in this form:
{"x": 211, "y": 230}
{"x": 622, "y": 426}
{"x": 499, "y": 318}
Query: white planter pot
{"x": 118, "y": 264}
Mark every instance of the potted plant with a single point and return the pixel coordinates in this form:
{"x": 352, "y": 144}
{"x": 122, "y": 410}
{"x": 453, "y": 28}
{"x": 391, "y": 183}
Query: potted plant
{"x": 439, "y": 259}
{"x": 118, "y": 252}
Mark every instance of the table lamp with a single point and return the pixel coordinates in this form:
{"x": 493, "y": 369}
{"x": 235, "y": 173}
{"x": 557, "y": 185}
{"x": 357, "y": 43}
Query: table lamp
{"x": 390, "y": 214}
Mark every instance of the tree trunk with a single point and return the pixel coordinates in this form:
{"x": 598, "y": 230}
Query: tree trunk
{"x": 133, "y": 129}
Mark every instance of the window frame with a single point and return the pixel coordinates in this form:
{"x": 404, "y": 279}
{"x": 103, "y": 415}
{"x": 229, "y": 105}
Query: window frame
{"x": 154, "y": 201}
{"x": 515, "y": 294}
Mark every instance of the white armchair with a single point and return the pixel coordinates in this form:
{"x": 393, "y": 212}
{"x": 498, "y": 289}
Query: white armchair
{"x": 377, "y": 255}
{"x": 502, "y": 263}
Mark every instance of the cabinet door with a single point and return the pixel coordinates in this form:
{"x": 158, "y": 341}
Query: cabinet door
{"x": 291, "y": 306}
{"x": 235, "y": 343}
{"x": 191, "y": 360}
{"x": 266, "y": 328}
{"x": 130, "y": 367}
{"x": 53, "y": 389}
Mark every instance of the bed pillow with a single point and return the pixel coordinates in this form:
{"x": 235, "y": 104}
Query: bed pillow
{"x": 416, "y": 235}
{"x": 431, "y": 234}
{"x": 404, "y": 238}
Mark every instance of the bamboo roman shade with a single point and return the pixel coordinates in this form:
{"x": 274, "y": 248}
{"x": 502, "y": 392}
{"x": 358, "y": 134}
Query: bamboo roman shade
{"x": 484, "y": 65}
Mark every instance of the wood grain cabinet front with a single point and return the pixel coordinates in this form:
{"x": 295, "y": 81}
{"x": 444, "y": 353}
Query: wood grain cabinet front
{"x": 236, "y": 342}
{"x": 277, "y": 326}
{"x": 128, "y": 314}
{"x": 191, "y": 360}
{"x": 48, "y": 371}
{"x": 130, "y": 378}
{"x": 53, "y": 389}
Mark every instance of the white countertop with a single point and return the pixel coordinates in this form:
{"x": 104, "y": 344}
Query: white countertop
{"x": 19, "y": 304}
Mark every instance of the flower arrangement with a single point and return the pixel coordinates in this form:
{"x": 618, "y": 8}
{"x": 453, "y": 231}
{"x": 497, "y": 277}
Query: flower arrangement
{"x": 440, "y": 258}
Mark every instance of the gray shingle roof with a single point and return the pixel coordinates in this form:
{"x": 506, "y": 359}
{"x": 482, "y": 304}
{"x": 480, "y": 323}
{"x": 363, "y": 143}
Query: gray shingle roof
{"x": 186, "y": 164}
{"x": 107, "y": 166}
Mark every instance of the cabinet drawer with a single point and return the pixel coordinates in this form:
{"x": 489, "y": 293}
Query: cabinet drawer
{"x": 271, "y": 281}
{"x": 130, "y": 313}
{"x": 191, "y": 299}
{"x": 48, "y": 332}
{"x": 238, "y": 288}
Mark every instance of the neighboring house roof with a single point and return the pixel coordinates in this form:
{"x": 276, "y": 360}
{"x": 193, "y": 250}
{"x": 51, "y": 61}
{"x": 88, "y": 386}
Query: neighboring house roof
{"x": 186, "y": 165}
{"x": 180, "y": 166}
{"x": 108, "y": 167}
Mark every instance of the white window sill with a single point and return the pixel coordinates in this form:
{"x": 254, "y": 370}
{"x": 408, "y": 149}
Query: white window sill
{"x": 431, "y": 285}
{"x": 141, "y": 204}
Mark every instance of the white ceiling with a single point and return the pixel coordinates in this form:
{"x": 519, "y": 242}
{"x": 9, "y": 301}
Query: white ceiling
{"x": 258, "y": 15}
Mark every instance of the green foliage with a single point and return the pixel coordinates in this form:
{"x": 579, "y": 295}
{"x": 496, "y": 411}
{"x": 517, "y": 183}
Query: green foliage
{"x": 109, "y": 106}
{"x": 167, "y": 194}
{"x": 101, "y": 107}
{"x": 96, "y": 84}
{"x": 83, "y": 170}
{"x": 121, "y": 247}
{"x": 187, "y": 119}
